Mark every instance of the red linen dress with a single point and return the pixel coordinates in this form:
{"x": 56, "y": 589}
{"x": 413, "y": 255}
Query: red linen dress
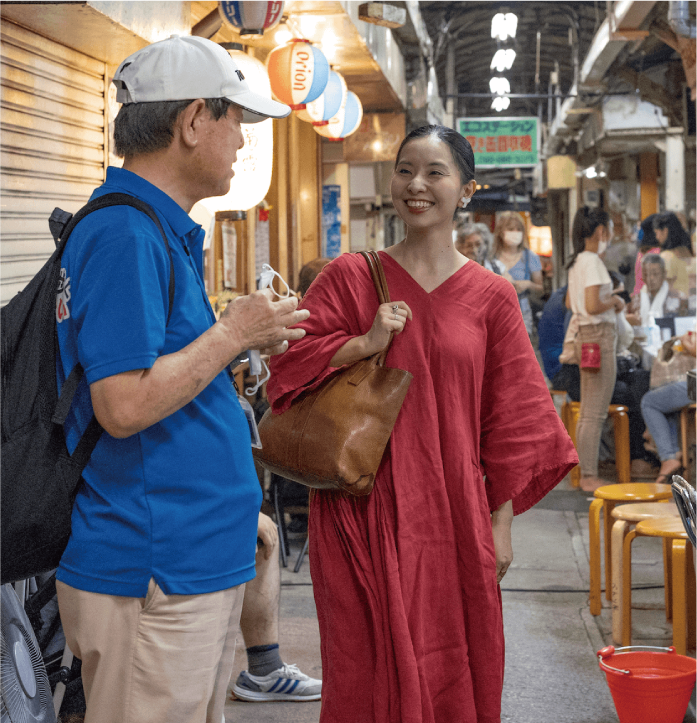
{"x": 405, "y": 579}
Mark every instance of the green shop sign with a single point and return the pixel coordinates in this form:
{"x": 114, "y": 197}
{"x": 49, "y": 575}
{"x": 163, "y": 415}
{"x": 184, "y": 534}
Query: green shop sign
{"x": 502, "y": 142}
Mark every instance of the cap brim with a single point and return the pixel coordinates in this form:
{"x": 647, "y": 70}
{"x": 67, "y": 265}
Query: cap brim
{"x": 256, "y": 108}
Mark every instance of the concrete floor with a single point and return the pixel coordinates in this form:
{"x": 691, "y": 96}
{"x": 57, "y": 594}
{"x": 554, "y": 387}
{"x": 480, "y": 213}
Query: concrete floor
{"x": 552, "y": 675}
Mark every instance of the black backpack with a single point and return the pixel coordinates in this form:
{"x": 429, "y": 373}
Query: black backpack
{"x": 39, "y": 477}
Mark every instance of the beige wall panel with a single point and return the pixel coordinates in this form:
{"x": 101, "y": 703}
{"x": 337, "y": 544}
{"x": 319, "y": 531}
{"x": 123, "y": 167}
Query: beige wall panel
{"x": 36, "y": 105}
{"x": 50, "y": 128}
{"x": 47, "y": 87}
{"x": 48, "y": 188}
{"x": 51, "y": 148}
{"x": 40, "y": 46}
{"x": 50, "y": 168}
{"x": 23, "y": 248}
{"x": 42, "y": 147}
{"x": 20, "y": 58}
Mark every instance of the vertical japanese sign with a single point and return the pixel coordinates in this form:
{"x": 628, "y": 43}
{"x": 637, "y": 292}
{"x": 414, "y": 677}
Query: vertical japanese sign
{"x": 331, "y": 220}
{"x": 502, "y": 142}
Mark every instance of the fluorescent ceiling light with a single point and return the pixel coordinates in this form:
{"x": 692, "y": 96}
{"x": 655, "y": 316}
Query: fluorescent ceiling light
{"x": 501, "y": 103}
{"x": 503, "y": 26}
{"x": 500, "y": 86}
{"x": 503, "y": 59}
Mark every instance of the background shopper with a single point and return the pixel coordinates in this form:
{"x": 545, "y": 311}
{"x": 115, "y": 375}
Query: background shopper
{"x": 592, "y": 302}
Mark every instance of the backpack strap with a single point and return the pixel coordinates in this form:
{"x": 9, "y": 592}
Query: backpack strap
{"x": 62, "y": 225}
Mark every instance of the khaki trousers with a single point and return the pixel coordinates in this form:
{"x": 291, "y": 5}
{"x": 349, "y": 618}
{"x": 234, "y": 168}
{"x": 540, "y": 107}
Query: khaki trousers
{"x": 596, "y": 393}
{"x": 157, "y": 659}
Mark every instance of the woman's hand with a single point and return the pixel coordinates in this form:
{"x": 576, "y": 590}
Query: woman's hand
{"x": 618, "y": 303}
{"x": 391, "y": 317}
{"x": 501, "y": 520}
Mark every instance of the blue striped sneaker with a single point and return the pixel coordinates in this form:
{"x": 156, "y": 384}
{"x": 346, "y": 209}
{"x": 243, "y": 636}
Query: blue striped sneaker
{"x": 286, "y": 683}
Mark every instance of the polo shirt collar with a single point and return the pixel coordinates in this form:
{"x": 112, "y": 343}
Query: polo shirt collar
{"x": 179, "y": 220}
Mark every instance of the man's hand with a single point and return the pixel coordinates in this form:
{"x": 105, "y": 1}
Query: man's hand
{"x": 267, "y": 532}
{"x": 257, "y": 322}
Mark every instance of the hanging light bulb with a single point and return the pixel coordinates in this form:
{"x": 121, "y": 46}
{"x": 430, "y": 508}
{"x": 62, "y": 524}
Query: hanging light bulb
{"x": 503, "y": 59}
{"x": 499, "y": 85}
{"x": 503, "y": 26}
{"x": 501, "y": 102}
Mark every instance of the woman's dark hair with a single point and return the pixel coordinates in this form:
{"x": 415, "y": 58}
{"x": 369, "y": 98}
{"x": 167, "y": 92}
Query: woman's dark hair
{"x": 648, "y": 237}
{"x": 586, "y": 221}
{"x": 149, "y": 127}
{"x": 677, "y": 236}
{"x": 460, "y": 149}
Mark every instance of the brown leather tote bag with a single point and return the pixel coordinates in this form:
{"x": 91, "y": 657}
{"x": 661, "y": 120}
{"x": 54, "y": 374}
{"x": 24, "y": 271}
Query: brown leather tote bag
{"x": 334, "y": 437}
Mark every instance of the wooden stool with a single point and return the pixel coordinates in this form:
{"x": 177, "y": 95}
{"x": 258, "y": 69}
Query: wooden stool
{"x": 620, "y": 418}
{"x": 683, "y": 595}
{"x": 626, "y": 516}
{"x": 607, "y": 497}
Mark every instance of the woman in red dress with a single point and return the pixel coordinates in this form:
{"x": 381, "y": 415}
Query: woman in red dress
{"x": 406, "y": 580}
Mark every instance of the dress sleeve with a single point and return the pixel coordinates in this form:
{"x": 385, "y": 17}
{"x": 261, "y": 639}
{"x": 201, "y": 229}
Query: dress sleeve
{"x": 335, "y": 317}
{"x": 524, "y": 450}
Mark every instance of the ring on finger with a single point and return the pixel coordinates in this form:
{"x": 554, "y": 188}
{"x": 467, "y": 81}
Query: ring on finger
{"x": 395, "y": 309}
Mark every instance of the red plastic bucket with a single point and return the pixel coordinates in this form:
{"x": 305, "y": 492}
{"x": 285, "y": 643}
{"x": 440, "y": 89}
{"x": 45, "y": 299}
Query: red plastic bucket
{"x": 647, "y": 686}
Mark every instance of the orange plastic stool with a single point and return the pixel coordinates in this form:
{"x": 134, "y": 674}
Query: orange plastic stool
{"x": 683, "y": 597}
{"x": 607, "y": 497}
{"x": 626, "y": 516}
{"x": 620, "y": 417}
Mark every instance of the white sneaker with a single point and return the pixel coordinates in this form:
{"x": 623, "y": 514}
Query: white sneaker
{"x": 286, "y": 683}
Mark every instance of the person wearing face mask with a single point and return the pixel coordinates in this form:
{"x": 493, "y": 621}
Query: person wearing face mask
{"x": 591, "y": 299}
{"x": 513, "y": 252}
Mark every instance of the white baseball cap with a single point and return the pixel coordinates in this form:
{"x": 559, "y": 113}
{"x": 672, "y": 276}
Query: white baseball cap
{"x": 186, "y": 68}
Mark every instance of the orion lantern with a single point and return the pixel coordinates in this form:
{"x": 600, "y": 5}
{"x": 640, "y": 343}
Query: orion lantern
{"x": 345, "y": 122}
{"x": 298, "y": 73}
{"x": 251, "y": 18}
{"x": 320, "y": 111}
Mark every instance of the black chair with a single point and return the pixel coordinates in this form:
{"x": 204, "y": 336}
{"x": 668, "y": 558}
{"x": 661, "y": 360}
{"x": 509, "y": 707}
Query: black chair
{"x": 686, "y": 500}
{"x": 288, "y": 497}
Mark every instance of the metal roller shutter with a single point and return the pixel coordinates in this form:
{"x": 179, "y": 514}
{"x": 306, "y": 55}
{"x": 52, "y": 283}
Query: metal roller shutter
{"x": 52, "y": 147}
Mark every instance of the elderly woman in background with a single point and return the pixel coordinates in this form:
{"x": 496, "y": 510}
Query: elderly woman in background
{"x": 512, "y": 249}
{"x": 474, "y": 241}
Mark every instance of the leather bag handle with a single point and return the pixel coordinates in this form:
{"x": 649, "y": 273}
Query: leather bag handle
{"x": 378, "y": 273}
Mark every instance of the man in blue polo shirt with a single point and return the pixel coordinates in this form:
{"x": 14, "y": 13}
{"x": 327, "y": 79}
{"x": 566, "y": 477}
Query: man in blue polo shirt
{"x": 164, "y": 529}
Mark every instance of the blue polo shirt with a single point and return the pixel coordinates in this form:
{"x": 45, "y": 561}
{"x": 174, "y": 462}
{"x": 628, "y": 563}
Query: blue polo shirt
{"x": 178, "y": 501}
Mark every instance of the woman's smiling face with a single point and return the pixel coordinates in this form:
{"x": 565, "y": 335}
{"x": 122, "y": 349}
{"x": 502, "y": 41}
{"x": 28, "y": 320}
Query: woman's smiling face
{"x": 426, "y": 184}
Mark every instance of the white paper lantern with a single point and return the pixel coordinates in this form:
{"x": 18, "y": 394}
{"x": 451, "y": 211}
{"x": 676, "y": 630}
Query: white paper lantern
{"x": 254, "y": 163}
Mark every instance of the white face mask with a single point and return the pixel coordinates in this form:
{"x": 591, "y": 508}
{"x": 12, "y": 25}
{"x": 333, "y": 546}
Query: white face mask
{"x": 602, "y": 246}
{"x": 513, "y": 238}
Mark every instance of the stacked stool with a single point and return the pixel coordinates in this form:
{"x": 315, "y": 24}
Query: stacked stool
{"x": 682, "y": 599}
{"x": 606, "y": 498}
{"x": 626, "y": 516}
